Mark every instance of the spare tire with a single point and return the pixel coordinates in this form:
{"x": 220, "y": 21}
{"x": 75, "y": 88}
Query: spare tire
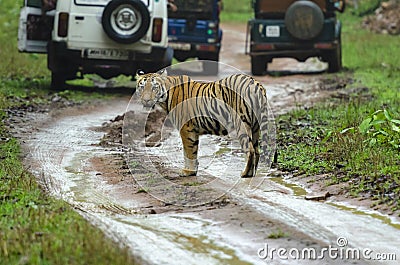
{"x": 125, "y": 21}
{"x": 304, "y": 20}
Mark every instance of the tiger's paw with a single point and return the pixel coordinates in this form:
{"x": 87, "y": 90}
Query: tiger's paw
{"x": 247, "y": 175}
{"x": 187, "y": 173}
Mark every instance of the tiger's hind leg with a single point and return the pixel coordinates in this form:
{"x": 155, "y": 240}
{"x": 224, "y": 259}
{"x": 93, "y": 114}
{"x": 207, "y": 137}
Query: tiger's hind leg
{"x": 256, "y": 146}
{"x": 245, "y": 139}
{"x": 190, "y": 141}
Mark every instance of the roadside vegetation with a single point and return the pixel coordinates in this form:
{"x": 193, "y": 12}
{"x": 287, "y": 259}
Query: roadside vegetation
{"x": 236, "y": 11}
{"x": 34, "y": 228}
{"x": 355, "y": 139}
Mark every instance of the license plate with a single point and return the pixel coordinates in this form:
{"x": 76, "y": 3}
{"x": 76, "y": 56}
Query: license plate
{"x": 180, "y": 46}
{"x": 107, "y": 54}
{"x": 272, "y": 31}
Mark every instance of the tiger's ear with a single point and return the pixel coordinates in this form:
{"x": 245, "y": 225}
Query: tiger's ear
{"x": 163, "y": 73}
{"x": 139, "y": 73}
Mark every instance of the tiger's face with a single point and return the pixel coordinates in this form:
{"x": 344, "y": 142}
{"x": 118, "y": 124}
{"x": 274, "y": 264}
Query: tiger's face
{"x": 151, "y": 89}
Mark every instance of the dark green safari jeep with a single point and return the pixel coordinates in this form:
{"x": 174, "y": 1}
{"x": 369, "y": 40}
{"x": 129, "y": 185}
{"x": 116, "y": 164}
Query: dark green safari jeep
{"x": 297, "y": 29}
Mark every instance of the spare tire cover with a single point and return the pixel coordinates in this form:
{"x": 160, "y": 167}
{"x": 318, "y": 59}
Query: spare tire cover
{"x": 125, "y": 21}
{"x": 304, "y": 20}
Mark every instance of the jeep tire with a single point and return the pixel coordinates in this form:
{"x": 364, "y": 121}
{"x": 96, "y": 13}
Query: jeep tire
{"x": 58, "y": 80}
{"x": 258, "y": 65}
{"x": 304, "y": 20}
{"x": 125, "y": 21}
{"x": 334, "y": 59}
{"x": 160, "y": 58}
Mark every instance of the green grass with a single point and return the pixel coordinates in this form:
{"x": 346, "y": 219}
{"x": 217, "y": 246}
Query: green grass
{"x": 277, "y": 234}
{"x": 340, "y": 137}
{"x": 366, "y": 7}
{"x": 36, "y": 229}
{"x": 237, "y": 11}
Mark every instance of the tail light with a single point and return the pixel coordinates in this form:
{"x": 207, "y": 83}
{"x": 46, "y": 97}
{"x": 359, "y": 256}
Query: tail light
{"x": 157, "y": 29}
{"x": 324, "y": 46}
{"x": 63, "y": 19}
{"x": 207, "y": 48}
{"x": 262, "y": 46}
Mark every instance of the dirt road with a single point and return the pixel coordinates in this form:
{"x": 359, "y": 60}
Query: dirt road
{"x": 247, "y": 224}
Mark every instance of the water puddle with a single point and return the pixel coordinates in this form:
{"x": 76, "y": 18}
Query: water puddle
{"x": 296, "y": 189}
{"x": 191, "y": 235}
{"x": 354, "y": 210}
{"x": 299, "y": 191}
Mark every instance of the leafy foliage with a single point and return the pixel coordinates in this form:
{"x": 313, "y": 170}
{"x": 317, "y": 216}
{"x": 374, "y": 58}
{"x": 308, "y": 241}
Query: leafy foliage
{"x": 365, "y": 7}
{"x": 379, "y": 128}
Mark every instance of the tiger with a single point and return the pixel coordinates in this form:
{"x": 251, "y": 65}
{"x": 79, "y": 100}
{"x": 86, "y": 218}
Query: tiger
{"x": 237, "y": 103}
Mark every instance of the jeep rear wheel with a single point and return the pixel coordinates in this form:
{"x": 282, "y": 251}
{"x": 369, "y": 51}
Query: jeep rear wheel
{"x": 258, "y": 65}
{"x": 126, "y": 21}
{"x": 304, "y": 20}
{"x": 334, "y": 59}
{"x": 160, "y": 58}
{"x": 58, "y": 80}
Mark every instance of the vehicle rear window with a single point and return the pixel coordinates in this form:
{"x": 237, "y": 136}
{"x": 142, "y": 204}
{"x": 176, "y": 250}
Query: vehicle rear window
{"x": 98, "y": 2}
{"x": 199, "y": 9}
{"x": 34, "y": 3}
{"x": 92, "y": 2}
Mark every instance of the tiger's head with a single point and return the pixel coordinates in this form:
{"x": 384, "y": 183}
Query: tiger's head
{"x": 151, "y": 88}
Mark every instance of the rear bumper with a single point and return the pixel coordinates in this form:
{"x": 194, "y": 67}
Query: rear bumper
{"x": 195, "y": 47}
{"x": 263, "y": 41}
{"x": 62, "y": 59}
{"x": 183, "y": 51}
{"x": 302, "y": 52}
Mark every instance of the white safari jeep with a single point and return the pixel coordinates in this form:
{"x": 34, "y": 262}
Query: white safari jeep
{"x": 104, "y": 37}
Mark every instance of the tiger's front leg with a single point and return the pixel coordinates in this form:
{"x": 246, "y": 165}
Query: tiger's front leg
{"x": 190, "y": 141}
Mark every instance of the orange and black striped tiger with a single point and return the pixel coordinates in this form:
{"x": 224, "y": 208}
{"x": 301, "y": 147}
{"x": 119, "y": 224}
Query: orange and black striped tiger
{"x": 236, "y": 104}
